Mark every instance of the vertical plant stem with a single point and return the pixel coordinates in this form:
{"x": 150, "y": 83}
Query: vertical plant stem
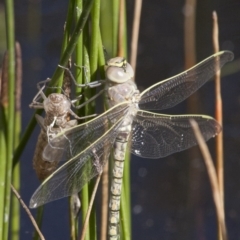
{"x": 57, "y": 74}
{"x": 104, "y": 197}
{"x": 11, "y": 110}
{"x": 3, "y": 163}
{"x": 66, "y": 34}
{"x": 125, "y": 217}
{"x": 218, "y": 116}
{"x": 92, "y": 219}
{"x": 79, "y": 62}
{"x": 25, "y": 137}
{"x": 85, "y": 201}
{"x": 115, "y": 20}
{"x": 93, "y": 60}
{"x": 106, "y": 26}
{"x": 135, "y": 33}
{"x": 15, "y": 210}
{"x": 66, "y": 86}
{"x": 86, "y": 221}
{"x": 190, "y": 33}
{"x": 94, "y": 39}
{"x": 121, "y": 28}
{"x": 73, "y": 42}
{"x": 126, "y": 199}
{"x": 85, "y": 190}
{"x": 125, "y": 212}
{"x": 79, "y": 49}
{"x": 3, "y": 138}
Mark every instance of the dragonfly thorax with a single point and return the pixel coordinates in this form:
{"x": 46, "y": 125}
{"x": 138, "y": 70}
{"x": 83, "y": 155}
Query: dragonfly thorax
{"x": 121, "y": 92}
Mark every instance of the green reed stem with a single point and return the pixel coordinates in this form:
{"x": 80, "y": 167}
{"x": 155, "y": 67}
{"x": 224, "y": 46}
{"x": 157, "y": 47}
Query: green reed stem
{"x": 76, "y": 13}
{"x": 3, "y": 163}
{"x": 125, "y": 223}
{"x": 73, "y": 41}
{"x": 10, "y": 28}
{"x": 15, "y": 208}
{"x": 56, "y": 76}
{"x": 86, "y": 192}
{"x": 95, "y": 14}
{"x": 126, "y": 197}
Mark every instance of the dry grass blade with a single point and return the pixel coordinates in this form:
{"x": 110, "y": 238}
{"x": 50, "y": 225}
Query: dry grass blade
{"x": 104, "y": 208}
{"x": 213, "y": 178}
{"x": 90, "y": 207}
{"x": 215, "y": 32}
{"x": 121, "y": 28}
{"x": 218, "y": 110}
{"x": 18, "y": 76}
{"x": 135, "y": 33}
{"x": 28, "y": 212}
{"x": 190, "y": 33}
{"x": 4, "y": 81}
{"x": 218, "y": 116}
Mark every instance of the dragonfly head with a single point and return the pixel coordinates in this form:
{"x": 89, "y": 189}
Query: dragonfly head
{"x": 118, "y": 70}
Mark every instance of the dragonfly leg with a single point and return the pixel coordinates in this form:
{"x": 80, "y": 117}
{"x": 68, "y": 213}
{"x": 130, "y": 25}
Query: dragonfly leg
{"x": 86, "y": 102}
{"x": 44, "y": 82}
{"x": 88, "y": 84}
{"x": 77, "y": 117}
{"x": 35, "y": 102}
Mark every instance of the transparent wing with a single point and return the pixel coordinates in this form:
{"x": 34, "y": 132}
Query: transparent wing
{"x": 72, "y": 141}
{"x": 157, "y": 135}
{"x": 174, "y": 90}
{"x": 52, "y": 154}
{"x": 74, "y": 174}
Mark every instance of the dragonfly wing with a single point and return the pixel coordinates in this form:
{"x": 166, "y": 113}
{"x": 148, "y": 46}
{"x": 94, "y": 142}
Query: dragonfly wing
{"x": 157, "y": 135}
{"x": 174, "y": 90}
{"x": 74, "y": 140}
{"x": 75, "y": 173}
{"x": 56, "y": 151}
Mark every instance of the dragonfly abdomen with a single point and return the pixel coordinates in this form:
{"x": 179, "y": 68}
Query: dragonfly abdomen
{"x": 116, "y": 185}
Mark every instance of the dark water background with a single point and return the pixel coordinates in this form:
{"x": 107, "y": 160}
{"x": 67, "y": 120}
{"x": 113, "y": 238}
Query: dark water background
{"x": 171, "y": 197}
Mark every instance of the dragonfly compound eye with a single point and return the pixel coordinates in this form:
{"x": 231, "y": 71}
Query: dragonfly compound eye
{"x": 118, "y": 70}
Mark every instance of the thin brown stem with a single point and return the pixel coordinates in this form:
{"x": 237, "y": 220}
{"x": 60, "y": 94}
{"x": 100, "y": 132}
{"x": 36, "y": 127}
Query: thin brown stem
{"x": 18, "y": 76}
{"x": 90, "y": 207}
{"x": 218, "y": 116}
{"x": 4, "y": 81}
{"x": 135, "y": 33}
{"x": 28, "y": 212}
{"x": 104, "y": 215}
{"x": 121, "y": 28}
{"x": 189, "y": 33}
{"x": 213, "y": 178}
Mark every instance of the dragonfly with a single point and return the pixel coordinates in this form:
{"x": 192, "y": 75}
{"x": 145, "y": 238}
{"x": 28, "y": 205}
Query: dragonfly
{"x": 128, "y": 125}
